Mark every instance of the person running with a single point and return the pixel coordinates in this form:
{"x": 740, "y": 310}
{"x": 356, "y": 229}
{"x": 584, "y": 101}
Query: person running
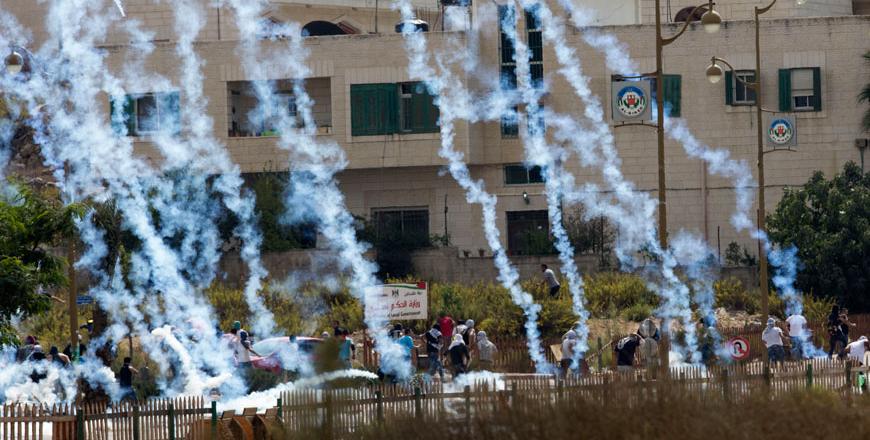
{"x": 407, "y": 342}
{"x": 797, "y": 333}
{"x": 550, "y": 280}
{"x": 857, "y": 349}
{"x": 459, "y": 356}
{"x": 125, "y": 380}
{"x": 486, "y": 351}
{"x": 433, "y": 350}
{"x": 346, "y": 349}
{"x": 625, "y": 350}
{"x": 242, "y": 347}
{"x": 446, "y": 323}
{"x": 772, "y": 338}
{"x": 838, "y": 340}
{"x": 569, "y": 345}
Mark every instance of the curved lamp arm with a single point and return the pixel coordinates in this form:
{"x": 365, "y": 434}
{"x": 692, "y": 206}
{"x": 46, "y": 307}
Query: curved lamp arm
{"x": 759, "y": 11}
{"x": 749, "y": 84}
{"x": 708, "y": 5}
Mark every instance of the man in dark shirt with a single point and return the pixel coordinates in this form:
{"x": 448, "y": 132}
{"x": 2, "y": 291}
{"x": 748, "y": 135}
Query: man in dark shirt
{"x": 125, "y": 380}
{"x": 459, "y": 355}
{"x": 625, "y": 350}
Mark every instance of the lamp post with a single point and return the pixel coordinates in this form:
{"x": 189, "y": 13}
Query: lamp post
{"x": 711, "y": 22}
{"x": 20, "y": 60}
{"x": 714, "y": 75}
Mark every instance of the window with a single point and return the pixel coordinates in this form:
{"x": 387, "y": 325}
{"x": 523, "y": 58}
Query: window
{"x": 736, "y": 92}
{"x": 509, "y": 121}
{"x": 800, "y": 89}
{"x": 520, "y": 175}
{"x": 529, "y": 233}
{"x": 536, "y": 46}
{"x": 419, "y": 112}
{"x": 248, "y": 116}
{"x": 673, "y": 92}
{"x": 409, "y": 227}
{"x": 392, "y": 108}
{"x": 147, "y": 113}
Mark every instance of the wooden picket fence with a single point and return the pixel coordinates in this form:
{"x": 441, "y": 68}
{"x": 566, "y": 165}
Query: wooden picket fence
{"x": 341, "y": 413}
{"x": 344, "y": 412}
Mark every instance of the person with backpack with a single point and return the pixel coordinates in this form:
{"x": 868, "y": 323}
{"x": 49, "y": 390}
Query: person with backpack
{"x": 625, "y": 352}
{"x": 433, "y": 350}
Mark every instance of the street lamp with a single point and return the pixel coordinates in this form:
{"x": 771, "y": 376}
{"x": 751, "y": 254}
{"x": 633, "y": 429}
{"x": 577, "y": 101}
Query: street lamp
{"x": 14, "y": 63}
{"x": 711, "y": 22}
{"x": 714, "y": 75}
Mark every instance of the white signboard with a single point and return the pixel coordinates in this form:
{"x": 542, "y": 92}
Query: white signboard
{"x": 401, "y": 302}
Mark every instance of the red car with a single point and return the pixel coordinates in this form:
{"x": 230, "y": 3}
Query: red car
{"x": 270, "y": 349}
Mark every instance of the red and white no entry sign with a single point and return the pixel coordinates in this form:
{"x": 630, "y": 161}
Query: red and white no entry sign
{"x": 739, "y": 348}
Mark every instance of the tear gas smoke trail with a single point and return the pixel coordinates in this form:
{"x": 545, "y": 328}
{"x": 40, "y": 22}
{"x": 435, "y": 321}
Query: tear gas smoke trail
{"x": 188, "y": 23}
{"x": 313, "y": 190}
{"x": 101, "y": 165}
{"x": 718, "y": 161}
{"x": 640, "y": 230}
{"x": 266, "y": 399}
{"x": 455, "y": 104}
{"x": 120, "y": 8}
{"x": 539, "y": 153}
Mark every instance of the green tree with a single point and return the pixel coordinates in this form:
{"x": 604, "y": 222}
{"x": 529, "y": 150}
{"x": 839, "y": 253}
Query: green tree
{"x": 864, "y": 96}
{"x": 31, "y": 224}
{"x": 829, "y": 222}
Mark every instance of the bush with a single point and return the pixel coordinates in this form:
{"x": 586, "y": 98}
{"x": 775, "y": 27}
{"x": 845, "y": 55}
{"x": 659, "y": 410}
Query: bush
{"x": 608, "y": 294}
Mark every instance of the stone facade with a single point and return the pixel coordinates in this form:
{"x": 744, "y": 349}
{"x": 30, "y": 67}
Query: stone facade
{"x": 404, "y": 170}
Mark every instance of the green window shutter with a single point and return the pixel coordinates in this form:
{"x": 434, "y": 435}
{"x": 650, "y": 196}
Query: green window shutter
{"x": 373, "y": 109}
{"x": 359, "y": 97}
{"x": 389, "y": 95}
{"x": 423, "y": 112}
{"x": 116, "y": 107}
{"x": 729, "y": 88}
{"x": 672, "y": 94}
{"x": 817, "y": 89}
{"x": 123, "y": 116}
{"x": 784, "y": 90}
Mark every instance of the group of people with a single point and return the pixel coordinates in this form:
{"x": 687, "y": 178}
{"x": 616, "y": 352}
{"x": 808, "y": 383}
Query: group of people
{"x": 838, "y": 327}
{"x": 460, "y": 343}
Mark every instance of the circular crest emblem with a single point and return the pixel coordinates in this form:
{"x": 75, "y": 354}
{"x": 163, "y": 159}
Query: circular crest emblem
{"x": 631, "y": 101}
{"x": 780, "y": 132}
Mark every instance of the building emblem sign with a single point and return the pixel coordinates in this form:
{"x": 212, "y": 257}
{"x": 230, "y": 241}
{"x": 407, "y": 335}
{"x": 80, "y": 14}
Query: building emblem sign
{"x": 631, "y": 101}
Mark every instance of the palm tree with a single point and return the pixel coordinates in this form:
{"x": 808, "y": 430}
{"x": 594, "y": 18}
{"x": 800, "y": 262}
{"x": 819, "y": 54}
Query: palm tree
{"x": 864, "y": 96}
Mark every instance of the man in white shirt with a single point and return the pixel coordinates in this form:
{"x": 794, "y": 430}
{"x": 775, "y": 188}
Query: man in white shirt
{"x": 772, "y": 337}
{"x": 797, "y": 331}
{"x": 550, "y": 280}
{"x": 857, "y": 349}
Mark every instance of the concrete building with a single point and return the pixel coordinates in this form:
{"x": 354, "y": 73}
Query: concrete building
{"x": 395, "y": 174}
